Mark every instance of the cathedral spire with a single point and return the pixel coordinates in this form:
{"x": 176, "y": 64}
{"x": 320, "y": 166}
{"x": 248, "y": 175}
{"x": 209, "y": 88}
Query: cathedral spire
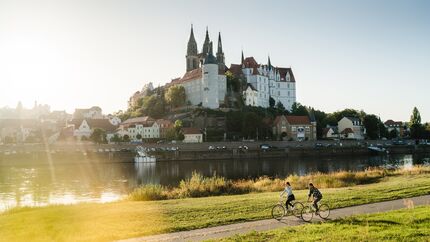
{"x": 206, "y": 43}
{"x": 192, "y": 52}
{"x": 220, "y": 53}
{"x": 192, "y": 44}
{"x": 268, "y": 62}
{"x": 210, "y": 58}
{"x": 243, "y": 58}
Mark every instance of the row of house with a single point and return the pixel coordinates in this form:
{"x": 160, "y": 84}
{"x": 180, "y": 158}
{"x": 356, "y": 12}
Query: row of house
{"x": 352, "y": 128}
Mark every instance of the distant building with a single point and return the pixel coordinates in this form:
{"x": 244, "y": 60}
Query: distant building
{"x": 88, "y": 113}
{"x": 296, "y": 128}
{"x": 143, "y": 127}
{"x": 164, "y": 125}
{"x": 204, "y": 82}
{"x": 395, "y": 125}
{"x": 269, "y": 81}
{"x": 85, "y": 127}
{"x": 250, "y": 95}
{"x": 330, "y": 132}
{"x": 192, "y": 135}
{"x": 351, "y": 128}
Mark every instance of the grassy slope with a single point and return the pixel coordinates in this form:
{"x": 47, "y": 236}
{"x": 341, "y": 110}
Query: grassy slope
{"x": 119, "y": 220}
{"x": 400, "y": 225}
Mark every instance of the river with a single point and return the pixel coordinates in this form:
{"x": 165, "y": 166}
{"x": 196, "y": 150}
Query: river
{"x": 43, "y": 181}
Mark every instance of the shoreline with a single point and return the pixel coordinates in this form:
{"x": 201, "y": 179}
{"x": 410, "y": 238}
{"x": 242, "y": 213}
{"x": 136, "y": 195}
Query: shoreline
{"x": 197, "y": 152}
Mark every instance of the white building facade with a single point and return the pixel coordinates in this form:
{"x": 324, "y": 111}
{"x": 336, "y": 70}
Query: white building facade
{"x": 269, "y": 81}
{"x": 204, "y": 82}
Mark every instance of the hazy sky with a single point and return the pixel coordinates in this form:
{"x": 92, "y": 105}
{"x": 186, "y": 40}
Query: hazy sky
{"x": 370, "y": 55}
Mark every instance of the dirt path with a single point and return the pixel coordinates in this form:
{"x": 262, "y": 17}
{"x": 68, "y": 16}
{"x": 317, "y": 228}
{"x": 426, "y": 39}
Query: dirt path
{"x": 268, "y": 224}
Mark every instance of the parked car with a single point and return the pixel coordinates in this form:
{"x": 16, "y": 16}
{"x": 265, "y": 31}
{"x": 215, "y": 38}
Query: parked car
{"x": 264, "y": 146}
{"x": 211, "y": 147}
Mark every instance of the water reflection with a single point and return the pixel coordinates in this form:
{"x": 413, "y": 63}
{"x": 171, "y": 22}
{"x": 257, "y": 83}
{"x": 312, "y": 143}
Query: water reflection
{"x": 30, "y": 182}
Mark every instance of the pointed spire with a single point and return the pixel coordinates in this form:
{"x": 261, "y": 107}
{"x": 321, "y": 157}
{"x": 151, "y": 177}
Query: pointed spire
{"x": 243, "y": 58}
{"x": 220, "y": 53}
{"x": 219, "y": 43}
{"x": 192, "y": 44}
{"x": 268, "y": 62}
{"x": 210, "y": 58}
{"x": 206, "y": 43}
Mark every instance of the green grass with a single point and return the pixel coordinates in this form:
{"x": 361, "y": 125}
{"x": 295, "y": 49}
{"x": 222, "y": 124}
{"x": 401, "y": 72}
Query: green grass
{"x": 399, "y": 225}
{"x": 127, "y": 219}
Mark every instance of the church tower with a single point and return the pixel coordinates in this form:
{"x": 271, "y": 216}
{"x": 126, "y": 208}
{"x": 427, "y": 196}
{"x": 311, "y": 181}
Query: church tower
{"x": 206, "y": 44}
{"x": 210, "y": 84}
{"x": 220, "y": 54}
{"x": 192, "y": 57}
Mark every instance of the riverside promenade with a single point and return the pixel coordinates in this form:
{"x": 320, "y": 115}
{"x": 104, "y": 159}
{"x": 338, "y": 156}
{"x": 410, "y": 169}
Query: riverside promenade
{"x": 269, "y": 224}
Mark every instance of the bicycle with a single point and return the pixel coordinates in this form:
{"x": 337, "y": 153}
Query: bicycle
{"x": 308, "y": 211}
{"x": 279, "y": 210}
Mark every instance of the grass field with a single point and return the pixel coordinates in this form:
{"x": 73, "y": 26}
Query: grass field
{"x": 127, "y": 219}
{"x": 399, "y": 225}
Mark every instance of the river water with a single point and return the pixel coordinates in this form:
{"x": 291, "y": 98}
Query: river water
{"x": 30, "y": 182}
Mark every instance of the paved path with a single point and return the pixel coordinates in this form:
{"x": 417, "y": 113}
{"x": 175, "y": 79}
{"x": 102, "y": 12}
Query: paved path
{"x": 268, "y": 224}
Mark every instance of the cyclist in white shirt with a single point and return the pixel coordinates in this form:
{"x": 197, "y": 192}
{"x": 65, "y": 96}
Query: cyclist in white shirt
{"x": 290, "y": 196}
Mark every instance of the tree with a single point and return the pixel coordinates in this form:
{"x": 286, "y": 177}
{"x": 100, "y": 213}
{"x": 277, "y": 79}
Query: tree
{"x": 298, "y": 109}
{"x": 371, "y": 122}
{"x": 280, "y": 106}
{"x": 271, "y": 102}
{"x": 175, "y": 96}
{"x": 115, "y": 139}
{"x": 175, "y": 132}
{"x": 250, "y": 124}
{"x": 126, "y": 138}
{"x": 415, "y": 124}
{"x": 233, "y": 83}
{"x": 139, "y": 137}
{"x": 393, "y": 134}
{"x": 98, "y": 136}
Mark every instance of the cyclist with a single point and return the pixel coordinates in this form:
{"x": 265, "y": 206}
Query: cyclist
{"x": 316, "y": 194}
{"x": 290, "y": 196}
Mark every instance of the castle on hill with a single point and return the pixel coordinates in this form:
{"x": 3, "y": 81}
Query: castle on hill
{"x": 205, "y": 81}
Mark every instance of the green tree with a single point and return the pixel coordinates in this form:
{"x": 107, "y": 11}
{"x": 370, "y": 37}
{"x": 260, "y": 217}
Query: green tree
{"x": 298, "y": 109}
{"x": 115, "y": 139}
{"x": 98, "y": 136}
{"x": 139, "y": 137}
{"x": 272, "y": 102}
{"x": 126, "y": 138}
{"x": 175, "y": 96}
{"x": 250, "y": 124}
{"x": 393, "y": 134}
{"x": 233, "y": 83}
{"x": 280, "y": 106}
{"x": 415, "y": 124}
{"x": 371, "y": 123}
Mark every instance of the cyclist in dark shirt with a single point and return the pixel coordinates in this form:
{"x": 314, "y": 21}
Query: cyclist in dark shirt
{"x": 316, "y": 194}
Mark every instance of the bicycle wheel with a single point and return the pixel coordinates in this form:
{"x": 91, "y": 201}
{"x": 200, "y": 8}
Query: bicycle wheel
{"x": 298, "y": 207}
{"x": 307, "y": 213}
{"x": 278, "y": 211}
{"x": 324, "y": 211}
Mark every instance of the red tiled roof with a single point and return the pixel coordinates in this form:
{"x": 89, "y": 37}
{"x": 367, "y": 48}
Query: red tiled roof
{"x": 391, "y": 122}
{"x": 138, "y": 120}
{"x": 347, "y": 131}
{"x": 283, "y": 72}
{"x": 236, "y": 69}
{"x": 191, "y": 131}
{"x": 164, "y": 122}
{"x": 95, "y": 123}
{"x": 191, "y": 75}
{"x": 250, "y": 62}
{"x": 294, "y": 120}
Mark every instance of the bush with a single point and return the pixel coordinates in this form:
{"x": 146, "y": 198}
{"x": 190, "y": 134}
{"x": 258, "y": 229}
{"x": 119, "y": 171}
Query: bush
{"x": 148, "y": 193}
{"x": 200, "y": 186}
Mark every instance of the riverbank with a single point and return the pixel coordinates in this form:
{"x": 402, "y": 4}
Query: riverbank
{"x": 194, "y": 152}
{"x": 409, "y": 224}
{"x": 128, "y": 219}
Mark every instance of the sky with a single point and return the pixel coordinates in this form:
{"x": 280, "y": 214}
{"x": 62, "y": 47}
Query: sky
{"x": 367, "y": 55}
